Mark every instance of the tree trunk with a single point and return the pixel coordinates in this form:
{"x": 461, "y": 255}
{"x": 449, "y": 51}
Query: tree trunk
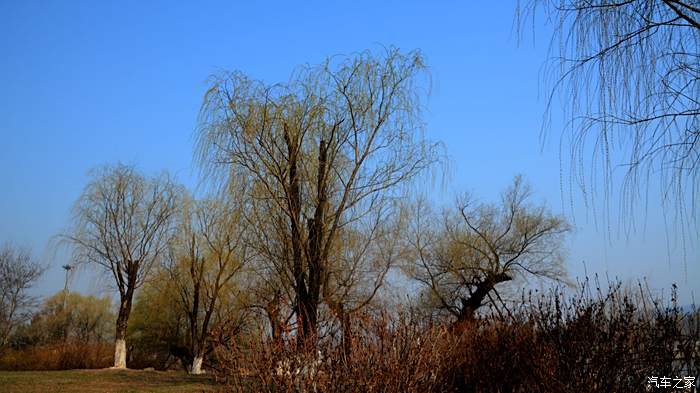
{"x": 307, "y": 316}
{"x": 316, "y": 227}
{"x": 120, "y": 334}
{"x": 347, "y": 333}
{"x": 476, "y": 299}
{"x": 120, "y": 353}
{"x": 305, "y": 308}
{"x": 199, "y": 346}
{"x": 196, "y": 368}
{"x": 272, "y": 311}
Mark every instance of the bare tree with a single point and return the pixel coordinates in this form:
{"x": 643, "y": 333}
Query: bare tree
{"x": 629, "y": 73}
{"x": 322, "y": 152}
{"x": 122, "y": 222}
{"x": 18, "y": 272}
{"x": 475, "y": 247}
{"x": 358, "y": 266}
{"x": 207, "y": 254}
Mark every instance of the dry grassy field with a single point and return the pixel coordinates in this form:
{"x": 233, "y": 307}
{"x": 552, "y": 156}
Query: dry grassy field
{"x": 94, "y": 381}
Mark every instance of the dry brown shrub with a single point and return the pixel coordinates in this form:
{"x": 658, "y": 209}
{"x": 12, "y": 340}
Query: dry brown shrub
{"x": 595, "y": 341}
{"x": 62, "y": 356}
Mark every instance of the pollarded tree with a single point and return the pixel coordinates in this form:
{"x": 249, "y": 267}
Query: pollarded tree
{"x": 322, "y": 152}
{"x": 18, "y": 272}
{"x": 207, "y": 255}
{"x": 122, "y": 223}
{"x": 461, "y": 257}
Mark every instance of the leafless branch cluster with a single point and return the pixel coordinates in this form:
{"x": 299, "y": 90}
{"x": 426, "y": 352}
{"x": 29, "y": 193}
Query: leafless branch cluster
{"x": 18, "y": 272}
{"x": 629, "y": 73}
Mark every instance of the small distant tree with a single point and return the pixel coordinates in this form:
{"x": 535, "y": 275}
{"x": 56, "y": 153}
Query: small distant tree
{"x": 122, "y": 223}
{"x": 461, "y": 257}
{"x": 72, "y": 317}
{"x": 18, "y": 272}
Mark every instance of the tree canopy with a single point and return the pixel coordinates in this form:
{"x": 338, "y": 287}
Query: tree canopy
{"x": 324, "y": 153}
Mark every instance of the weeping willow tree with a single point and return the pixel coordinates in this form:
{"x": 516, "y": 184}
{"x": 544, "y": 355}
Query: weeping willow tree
{"x": 122, "y": 222}
{"x": 204, "y": 265}
{"x": 628, "y": 72}
{"x": 323, "y": 154}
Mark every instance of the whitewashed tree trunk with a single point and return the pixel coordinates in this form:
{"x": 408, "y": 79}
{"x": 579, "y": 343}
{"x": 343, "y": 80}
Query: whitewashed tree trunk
{"x": 197, "y": 366}
{"x": 120, "y": 353}
{"x": 120, "y": 333}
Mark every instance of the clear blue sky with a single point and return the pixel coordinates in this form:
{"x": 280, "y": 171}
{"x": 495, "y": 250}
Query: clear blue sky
{"x": 88, "y": 83}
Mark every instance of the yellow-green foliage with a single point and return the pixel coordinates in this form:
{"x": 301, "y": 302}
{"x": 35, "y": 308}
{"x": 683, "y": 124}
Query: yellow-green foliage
{"x": 71, "y": 316}
{"x": 155, "y": 316}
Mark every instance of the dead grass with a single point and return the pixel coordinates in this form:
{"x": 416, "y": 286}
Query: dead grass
{"x": 58, "y": 356}
{"x": 100, "y": 381}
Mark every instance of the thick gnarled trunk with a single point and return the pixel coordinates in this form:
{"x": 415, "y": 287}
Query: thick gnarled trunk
{"x": 477, "y": 297}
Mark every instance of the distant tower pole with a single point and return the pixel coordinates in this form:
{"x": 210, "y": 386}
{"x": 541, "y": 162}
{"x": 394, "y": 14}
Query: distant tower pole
{"x": 67, "y": 268}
